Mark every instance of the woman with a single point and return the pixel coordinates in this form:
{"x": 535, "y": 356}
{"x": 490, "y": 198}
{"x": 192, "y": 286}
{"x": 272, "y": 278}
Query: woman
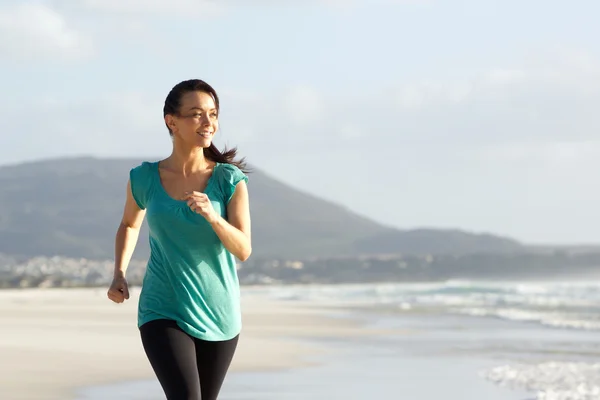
{"x": 196, "y": 203}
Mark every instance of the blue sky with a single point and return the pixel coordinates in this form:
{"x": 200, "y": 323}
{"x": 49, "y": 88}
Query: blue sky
{"x": 480, "y": 115}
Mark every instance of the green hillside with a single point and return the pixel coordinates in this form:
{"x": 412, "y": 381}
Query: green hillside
{"x": 72, "y": 207}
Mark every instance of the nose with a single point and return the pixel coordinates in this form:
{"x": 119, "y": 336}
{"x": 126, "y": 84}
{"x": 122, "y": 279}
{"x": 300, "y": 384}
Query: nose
{"x": 204, "y": 119}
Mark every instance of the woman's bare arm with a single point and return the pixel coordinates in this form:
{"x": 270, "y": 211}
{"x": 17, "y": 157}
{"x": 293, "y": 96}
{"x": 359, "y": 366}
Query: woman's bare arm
{"x": 127, "y": 233}
{"x": 235, "y": 231}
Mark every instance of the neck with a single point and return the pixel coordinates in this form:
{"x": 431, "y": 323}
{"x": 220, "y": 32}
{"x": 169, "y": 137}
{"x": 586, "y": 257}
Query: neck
{"x": 186, "y": 159}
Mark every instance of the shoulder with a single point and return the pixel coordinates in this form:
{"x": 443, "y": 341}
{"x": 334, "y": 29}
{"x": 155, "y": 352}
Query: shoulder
{"x": 143, "y": 172}
{"x": 143, "y": 168}
{"x": 231, "y": 172}
{"x": 229, "y": 176}
{"x": 140, "y": 180}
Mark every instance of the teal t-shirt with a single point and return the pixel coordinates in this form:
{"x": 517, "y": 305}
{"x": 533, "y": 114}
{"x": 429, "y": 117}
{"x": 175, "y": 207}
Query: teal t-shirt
{"x": 191, "y": 277}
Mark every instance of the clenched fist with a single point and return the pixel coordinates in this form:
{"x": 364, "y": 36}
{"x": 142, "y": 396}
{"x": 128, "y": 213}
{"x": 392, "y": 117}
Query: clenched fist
{"x": 119, "y": 290}
{"x": 200, "y": 203}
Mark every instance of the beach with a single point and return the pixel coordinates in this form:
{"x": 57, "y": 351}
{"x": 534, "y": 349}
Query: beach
{"x": 55, "y": 341}
{"x": 449, "y": 340}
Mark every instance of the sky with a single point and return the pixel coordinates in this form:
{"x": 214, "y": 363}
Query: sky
{"x": 471, "y": 114}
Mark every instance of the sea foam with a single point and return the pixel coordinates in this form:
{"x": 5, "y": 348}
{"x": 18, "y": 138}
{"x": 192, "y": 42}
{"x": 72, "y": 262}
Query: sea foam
{"x": 553, "y": 380}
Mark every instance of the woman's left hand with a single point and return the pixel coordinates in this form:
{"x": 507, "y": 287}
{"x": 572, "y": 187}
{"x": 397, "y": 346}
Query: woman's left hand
{"x": 200, "y": 203}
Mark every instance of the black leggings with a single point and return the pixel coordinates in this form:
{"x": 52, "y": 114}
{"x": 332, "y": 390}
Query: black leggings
{"x": 186, "y": 367}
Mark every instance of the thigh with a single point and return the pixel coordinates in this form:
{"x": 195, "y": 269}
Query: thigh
{"x": 172, "y": 355}
{"x": 214, "y": 359}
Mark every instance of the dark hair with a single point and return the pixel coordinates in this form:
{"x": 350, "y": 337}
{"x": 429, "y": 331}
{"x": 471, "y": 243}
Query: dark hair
{"x": 173, "y": 105}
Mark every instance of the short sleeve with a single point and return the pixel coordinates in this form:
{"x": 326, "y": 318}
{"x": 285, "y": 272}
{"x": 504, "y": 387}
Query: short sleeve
{"x": 230, "y": 177}
{"x": 140, "y": 179}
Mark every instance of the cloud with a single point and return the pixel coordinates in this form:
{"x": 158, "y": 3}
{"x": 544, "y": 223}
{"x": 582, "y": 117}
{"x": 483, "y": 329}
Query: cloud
{"x": 426, "y": 94}
{"x": 142, "y": 22}
{"x": 212, "y": 8}
{"x": 544, "y": 111}
{"x": 552, "y": 100}
{"x": 542, "y": 155}
{"x": 33, "y": 31}
{"x": 121, "y": 124}
{"x": 124, "y": 123}
{"x": 544, "y": 104}
{"x": 180, "y": 8}
{"x": 419, "y": 95}
{"x": 302, "y": 105}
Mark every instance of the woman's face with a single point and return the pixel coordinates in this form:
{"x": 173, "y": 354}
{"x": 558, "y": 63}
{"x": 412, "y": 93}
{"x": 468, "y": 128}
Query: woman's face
{"x": 197, "y": 121}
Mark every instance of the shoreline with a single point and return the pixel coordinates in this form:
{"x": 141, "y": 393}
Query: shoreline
{"x": 360, "y": 338}
{"x": 359, "y": 368}
{"x": 58, "y": 341}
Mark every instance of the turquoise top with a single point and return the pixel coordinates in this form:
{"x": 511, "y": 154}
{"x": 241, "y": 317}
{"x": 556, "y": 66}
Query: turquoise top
{"x": 191, "y": 277}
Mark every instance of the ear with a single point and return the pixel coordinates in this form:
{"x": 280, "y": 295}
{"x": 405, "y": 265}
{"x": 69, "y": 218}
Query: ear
{"x": 170, "y": 122}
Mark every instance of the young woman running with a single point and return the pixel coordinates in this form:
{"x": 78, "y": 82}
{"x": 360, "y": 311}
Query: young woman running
{"x": 197, "y": 208}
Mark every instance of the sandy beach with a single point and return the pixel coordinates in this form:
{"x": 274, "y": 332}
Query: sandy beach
{"x": 55, "y": 341}
{"x": 352, "y": 342}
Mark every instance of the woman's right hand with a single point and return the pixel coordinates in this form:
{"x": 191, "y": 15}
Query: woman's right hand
{"x": 118, "y": 291}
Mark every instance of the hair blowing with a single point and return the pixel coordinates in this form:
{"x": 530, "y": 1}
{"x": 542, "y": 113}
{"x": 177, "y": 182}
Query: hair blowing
{"x": 173, "y": 105}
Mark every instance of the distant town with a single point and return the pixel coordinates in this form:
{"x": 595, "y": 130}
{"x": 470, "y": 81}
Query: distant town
{"x": 55, "y": 272}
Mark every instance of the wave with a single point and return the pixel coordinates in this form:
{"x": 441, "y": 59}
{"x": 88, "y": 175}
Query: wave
{"x": 572, "y": 305}
{"x": 553, "y": 380}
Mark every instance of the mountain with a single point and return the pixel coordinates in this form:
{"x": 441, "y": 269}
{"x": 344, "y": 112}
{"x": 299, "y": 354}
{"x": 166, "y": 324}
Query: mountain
{"x": 438, "y": 241}
{"x": 72, "y": 207}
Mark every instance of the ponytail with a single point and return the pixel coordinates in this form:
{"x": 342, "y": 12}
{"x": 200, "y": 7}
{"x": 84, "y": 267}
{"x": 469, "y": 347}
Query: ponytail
{"x": 225, "y": 157}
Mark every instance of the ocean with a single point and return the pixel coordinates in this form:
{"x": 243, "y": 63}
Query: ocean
{"x": 467, "y": 340}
